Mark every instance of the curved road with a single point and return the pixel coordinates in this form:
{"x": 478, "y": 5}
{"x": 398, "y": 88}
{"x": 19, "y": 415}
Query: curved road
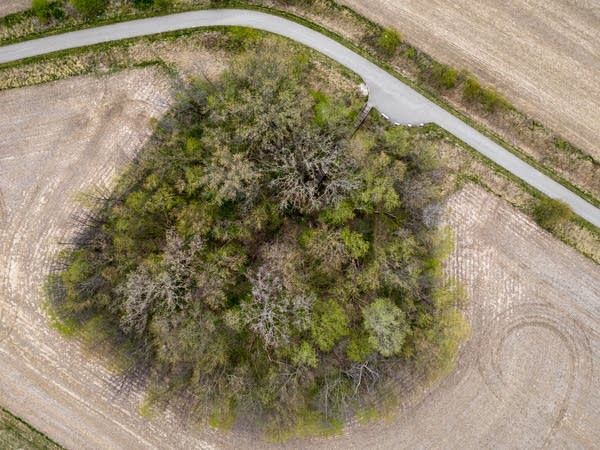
{"x": 390, "y": 96}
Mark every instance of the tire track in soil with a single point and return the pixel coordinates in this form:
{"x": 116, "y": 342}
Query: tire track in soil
{"x": 571, "y": 335}
{"x": 513, "y": 296}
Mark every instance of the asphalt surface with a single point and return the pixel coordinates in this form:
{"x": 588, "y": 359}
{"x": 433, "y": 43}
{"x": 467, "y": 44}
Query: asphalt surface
{"x": 396, "y": 100}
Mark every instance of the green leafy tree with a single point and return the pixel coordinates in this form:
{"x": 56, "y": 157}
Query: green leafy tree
{"x": 359, "y": 348}
{"x": 354, "y": 242}
{"x": 386, "y": 325}
{"x": 330, "y": 325}
{"x": 305, "y": 355}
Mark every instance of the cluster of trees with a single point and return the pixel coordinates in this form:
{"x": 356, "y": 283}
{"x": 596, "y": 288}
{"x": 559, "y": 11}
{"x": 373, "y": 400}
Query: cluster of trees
{"x": 264, "y": 261}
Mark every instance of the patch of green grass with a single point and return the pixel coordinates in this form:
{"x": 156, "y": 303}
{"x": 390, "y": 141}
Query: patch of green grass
{"x": 308, "y": 424}
{"x": 550, "y": 213}
{"x": 18, "y": 435}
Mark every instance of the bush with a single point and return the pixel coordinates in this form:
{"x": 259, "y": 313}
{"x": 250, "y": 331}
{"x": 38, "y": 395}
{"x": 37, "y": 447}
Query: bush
{"x": 388, "y": 42}
{"x": 90, "y": 8}
{"x": 444, "y": 76}
{"x": 550, "y": 213}
{"x": 487, "y": 97}
{"x": 471, "y": 89}
{"x": 40, "y": 8}
{"x": 411, "y": 53}
{"x": 45, "y": 10}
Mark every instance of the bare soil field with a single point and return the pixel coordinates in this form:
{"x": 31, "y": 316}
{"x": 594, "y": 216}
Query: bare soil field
{"x": 12, "y": 6}
{"x": 542, "y": 54}
{"x": 525, "y": 378}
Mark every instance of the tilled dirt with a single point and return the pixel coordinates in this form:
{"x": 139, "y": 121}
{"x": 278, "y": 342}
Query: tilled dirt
{"x": 526, "y": 377}
{"x": 542, "y": 54}
{"x": 12, "y": 6}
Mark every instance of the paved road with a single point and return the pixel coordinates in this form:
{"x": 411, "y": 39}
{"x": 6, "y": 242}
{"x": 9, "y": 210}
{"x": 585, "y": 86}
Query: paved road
{"x": 389, "y": 95}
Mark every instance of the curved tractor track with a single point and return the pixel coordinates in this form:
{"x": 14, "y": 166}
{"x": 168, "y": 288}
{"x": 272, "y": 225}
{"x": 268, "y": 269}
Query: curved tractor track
{"x": 527, "y": 378}
{"x": 396, "y": 100}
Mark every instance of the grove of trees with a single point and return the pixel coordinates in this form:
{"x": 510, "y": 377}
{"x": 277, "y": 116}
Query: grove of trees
{"x": 262, "y": 261}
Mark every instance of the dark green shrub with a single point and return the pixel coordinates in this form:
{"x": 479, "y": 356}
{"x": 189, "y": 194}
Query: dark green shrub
{"x": 388, "y": 42}
{"x": 45, "y": 10}
{"x": 487, "y": 97}
{"x": 549, "y": 213}
{"x": 444, "y": 76}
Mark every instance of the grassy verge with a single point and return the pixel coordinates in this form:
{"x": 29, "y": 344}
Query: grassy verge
{"x": 16, "y": 434}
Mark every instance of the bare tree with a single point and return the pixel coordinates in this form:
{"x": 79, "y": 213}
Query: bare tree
{"x": 170, "y": 284}
{"x": 310, "y": 172}
{"x": 274, "y": 313}
{"x": 363, "y": 375}
{"x": 326, "y": 246}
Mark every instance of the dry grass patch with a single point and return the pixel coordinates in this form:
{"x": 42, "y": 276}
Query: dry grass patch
{"x": 193, "y": 55}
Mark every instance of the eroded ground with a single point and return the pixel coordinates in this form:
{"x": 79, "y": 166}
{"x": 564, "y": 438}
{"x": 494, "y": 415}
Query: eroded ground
{"x": 526, "y": 377}
{"x": 542, "y": 54}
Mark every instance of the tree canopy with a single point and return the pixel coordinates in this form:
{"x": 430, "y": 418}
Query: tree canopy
{"x": 262, "y": 260}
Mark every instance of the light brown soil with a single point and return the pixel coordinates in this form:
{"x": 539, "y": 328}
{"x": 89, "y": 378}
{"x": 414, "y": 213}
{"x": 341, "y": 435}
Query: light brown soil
{"x": 12, "y": 6}
{"x": 525, "y": 378}
{"x": 542, "y": 54}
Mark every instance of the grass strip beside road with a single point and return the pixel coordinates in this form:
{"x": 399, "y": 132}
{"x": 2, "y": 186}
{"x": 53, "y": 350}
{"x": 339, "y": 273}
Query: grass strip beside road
{"x": 17, "y": 434}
